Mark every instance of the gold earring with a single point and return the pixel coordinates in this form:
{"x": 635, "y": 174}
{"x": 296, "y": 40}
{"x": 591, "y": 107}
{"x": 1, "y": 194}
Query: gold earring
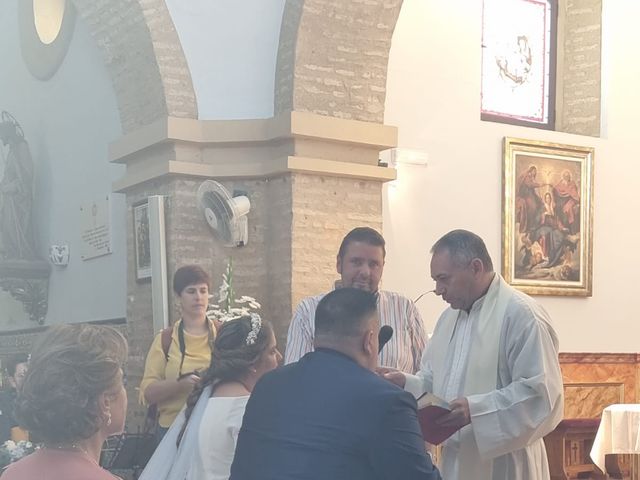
{"x": 108, "y": 414}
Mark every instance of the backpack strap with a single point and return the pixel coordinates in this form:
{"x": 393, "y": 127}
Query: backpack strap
{"x": 166, "y": 337}
{"x": 165, "y": 340}
{"x": 151, "y": 419}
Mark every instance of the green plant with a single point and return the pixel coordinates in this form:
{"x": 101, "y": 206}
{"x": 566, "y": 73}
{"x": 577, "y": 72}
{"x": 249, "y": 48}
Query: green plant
{"x": 229, "y": 306}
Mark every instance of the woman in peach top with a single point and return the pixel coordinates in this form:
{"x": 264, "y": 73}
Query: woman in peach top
{"x": 73, "y": 398}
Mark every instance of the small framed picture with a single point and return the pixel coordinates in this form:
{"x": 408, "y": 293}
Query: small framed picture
{"x": 547, "y": 222}
{"x": 141, "y": 243}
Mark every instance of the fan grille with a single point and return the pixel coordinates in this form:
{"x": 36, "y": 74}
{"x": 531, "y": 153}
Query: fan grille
{"x": 216, "y": 204}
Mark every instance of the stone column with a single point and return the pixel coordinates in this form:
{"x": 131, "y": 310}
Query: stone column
{"x": 309, "y": 178}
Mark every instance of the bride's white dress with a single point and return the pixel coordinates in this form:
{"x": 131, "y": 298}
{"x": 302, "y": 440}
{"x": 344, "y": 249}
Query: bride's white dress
{"x": 217, "y": 437}
{"x": 208, "y": 444}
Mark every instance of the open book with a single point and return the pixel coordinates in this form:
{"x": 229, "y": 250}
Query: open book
{"x": 431, "y": 408}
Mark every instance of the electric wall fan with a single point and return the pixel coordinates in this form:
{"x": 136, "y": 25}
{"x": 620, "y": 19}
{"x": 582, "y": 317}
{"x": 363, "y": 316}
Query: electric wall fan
{"x": 226, "y": 215}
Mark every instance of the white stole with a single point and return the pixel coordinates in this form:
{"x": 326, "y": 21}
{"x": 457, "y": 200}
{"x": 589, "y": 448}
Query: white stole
{"x": 482, "y": 367}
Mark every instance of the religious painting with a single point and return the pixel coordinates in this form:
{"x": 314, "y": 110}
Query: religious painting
{"x": 518, "y": 62}
{"x": 141, "y": 242}
{"x": 547, "y": 222}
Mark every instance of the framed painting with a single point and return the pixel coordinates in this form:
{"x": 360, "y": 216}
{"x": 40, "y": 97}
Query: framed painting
{"x": 547, "y": 217}
{"x": 141, "y": 241}
{"x": 518, "y": 62}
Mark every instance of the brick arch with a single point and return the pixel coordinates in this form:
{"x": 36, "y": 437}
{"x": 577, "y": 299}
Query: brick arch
{"x": 333, "y": 55}
{"x": 143, "y": 55}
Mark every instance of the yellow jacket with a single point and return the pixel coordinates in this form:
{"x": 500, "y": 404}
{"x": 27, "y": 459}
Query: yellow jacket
{"x": 157, "y": 367}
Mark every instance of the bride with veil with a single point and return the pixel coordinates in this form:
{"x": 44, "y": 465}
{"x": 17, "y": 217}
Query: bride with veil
{"x": 201, "y": 441}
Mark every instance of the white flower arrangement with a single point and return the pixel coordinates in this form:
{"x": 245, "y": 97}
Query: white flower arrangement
{"x": 229, "y": 307}
{"x": 11, "y": 451}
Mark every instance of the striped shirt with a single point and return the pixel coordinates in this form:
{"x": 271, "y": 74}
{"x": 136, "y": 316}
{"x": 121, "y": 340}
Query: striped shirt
{"x": 403, "y": 351}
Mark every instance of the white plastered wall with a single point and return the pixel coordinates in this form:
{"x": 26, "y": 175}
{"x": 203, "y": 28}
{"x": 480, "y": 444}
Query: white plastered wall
{"x": 231, "y": 49}
{"x": 434, "y": 98}
{"x": 69, "y": 121}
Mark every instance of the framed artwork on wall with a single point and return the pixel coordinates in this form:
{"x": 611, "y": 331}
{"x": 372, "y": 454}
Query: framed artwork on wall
{"x": 547, "y": 217}
{"x": 518, "y": 62}
{"x": 141, "y": 241}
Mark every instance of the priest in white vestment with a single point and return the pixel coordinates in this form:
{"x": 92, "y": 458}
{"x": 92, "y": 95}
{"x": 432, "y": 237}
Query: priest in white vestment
{"x": 494, "y": 357}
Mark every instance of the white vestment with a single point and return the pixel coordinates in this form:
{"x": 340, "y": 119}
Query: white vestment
{"x": 503, "y": 357}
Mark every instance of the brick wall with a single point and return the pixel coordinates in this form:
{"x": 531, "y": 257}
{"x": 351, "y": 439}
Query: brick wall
{"x": 324, "y": 210}
{"x": 340, "y": 49}
{"x": 296, "y": 224}
{"x": 260, "y": 268}
{"x": 278, "y": 213}
{"x": 144, "y": 58}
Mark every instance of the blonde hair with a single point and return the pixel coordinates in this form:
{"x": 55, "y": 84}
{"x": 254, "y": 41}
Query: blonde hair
{"x": 70, "y": 367}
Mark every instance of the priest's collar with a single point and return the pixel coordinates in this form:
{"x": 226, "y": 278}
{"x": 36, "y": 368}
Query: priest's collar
{"x": 477, "y": 305}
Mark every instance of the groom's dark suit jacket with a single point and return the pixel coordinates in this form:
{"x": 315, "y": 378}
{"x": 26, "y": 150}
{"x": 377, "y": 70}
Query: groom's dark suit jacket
{"x": 327, "y": 418}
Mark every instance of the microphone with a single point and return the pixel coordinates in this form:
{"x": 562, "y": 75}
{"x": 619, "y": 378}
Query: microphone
{"x": 384, "y": 335}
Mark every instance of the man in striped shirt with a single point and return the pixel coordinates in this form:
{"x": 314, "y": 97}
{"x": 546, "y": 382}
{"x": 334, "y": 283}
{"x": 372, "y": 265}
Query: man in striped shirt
{"x": 360, "y": 262}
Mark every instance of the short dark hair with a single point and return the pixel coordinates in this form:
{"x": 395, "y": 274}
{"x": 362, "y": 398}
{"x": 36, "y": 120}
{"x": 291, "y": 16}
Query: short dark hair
{"x": 13, "y": 362}
{"x": 71, "y": 366}
{"x": 343, "y": 312}
{"x": 365, "y": 235}
{"x": 189, "y": 275}
{"x": 463, "y": 246}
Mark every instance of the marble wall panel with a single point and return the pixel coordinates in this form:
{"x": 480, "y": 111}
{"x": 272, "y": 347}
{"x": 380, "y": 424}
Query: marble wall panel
{"x": 588, "y": 400}
{"x": 594, "y": 380}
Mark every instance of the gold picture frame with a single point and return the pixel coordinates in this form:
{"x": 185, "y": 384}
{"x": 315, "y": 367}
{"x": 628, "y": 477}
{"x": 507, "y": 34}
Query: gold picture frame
{"x": 547, "y": 217}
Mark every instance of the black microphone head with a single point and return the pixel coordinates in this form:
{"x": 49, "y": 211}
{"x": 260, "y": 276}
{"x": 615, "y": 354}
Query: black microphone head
{"x": 384, "y": 335}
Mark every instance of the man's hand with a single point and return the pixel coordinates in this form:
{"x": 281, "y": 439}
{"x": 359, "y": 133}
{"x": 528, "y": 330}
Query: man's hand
{"x": 394, "y": 376}
{"x": 459, "y": 415}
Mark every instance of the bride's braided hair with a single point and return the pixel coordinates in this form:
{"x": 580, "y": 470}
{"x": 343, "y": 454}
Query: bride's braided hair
{"x": 231, "y": 359}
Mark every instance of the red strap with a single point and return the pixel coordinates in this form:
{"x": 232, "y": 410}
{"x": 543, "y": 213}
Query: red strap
{"x": 151, "y": 419}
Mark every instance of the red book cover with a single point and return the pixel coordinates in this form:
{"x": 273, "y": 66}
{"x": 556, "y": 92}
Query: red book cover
{"x": 431, "y": 408}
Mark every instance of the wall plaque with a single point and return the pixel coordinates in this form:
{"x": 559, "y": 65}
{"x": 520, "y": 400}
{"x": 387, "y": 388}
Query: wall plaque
{"x": 95, "y": 228}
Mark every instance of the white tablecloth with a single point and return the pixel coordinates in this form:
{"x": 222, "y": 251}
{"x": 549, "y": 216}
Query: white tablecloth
{"x": 618, "y": 432}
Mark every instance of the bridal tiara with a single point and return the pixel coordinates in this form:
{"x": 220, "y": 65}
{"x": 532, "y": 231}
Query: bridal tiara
{"x": 256, "y": 325}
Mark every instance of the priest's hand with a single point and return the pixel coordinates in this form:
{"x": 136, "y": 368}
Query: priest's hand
{"x": 459, "y": 415}
{"x": 394, "y": 376}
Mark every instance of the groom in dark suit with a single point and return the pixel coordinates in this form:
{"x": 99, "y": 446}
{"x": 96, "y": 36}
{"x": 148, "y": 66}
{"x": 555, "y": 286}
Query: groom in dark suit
{"x": 329, "y": 416}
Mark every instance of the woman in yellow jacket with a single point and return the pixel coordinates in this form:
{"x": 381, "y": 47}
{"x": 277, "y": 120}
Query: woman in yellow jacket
{"x": 169, "y": 379}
